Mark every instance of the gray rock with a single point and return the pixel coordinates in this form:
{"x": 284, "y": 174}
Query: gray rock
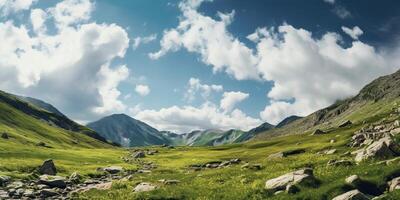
{"x": 293, "y": 178}
{"x": 383, "y": 148}
{"x": 318, "y": 132}
{"x": 29, "y": 193}
{"x": 53, "y": 181}
{"x": 169, "y": 182}
{"x": 353, "y": 179}
{"x": 346, "y": 123}
{"x": 352, "y": 195}
{"x": 45, "y": 193}
{"x": 144, "y": 187}
{"x": 331, "y": 151}
{"x": 394, "y": 184}
{"x": 48, "y": 168}
{"x": 4, "y": 180}
{"x": 75, "y": 178}
{"x": 139, "y": 154}
{"x": 276, "y": 155}
{"x": 292, "y": 189}
{"x": 113, "y": 169}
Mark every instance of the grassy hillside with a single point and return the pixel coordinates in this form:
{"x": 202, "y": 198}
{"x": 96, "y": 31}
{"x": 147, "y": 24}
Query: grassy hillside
{"x": 235, "y": 182}
{"x": 31, "y": 139}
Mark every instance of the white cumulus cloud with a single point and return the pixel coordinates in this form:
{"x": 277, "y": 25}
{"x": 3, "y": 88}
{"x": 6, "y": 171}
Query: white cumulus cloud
{"x": 354, "y": 33}
{"x": 210, "y": 39}
{"x": 188, "y": 118}
{"x": 230, "y": 99}
{"x": 13, "y": 6}
{"x": 195, "y": 86}
{"x": 142, "y": 90}
{"x": 71, "y": 67}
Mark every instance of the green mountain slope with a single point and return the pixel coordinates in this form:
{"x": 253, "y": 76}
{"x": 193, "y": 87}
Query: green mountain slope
{"x": 27, "y": 124}
{"x": 374, "y": 98}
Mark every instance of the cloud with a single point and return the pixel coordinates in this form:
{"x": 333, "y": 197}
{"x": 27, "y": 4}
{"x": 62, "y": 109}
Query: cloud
{"x": 195, "y": 86}
{"x": 142, "y": 90}
{"x": 70, "y": 12}
{"x": 353, "y": 33}
{"x": 230, "y": 99}
{"x": 71, "y": 67}
{"x": 143, "y": 40}
{"x": 188, "y": 118}
{"x": 342, "y": 12}
{"x": 38, "y": 18}
{"x": 210, "y": 39}
{"x": 14, "y": 6}
{"x": 319, "y": 71}
{"x": 308, "y": 73}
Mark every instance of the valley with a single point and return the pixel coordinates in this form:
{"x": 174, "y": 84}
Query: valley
{"x": 350, "y": 148}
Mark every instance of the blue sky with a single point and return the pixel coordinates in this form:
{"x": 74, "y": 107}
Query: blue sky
{"x": 302, "y": 56}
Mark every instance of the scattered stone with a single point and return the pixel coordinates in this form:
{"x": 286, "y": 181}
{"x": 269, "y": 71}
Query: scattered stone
{"x": 75, "y": 178}
{"x": 113, "y": 169}
{"x": 99, "y": 186}
{"x": 293, "y": 178}
{"x": 394, "y": 184}
{"x": 139, "y": 154}
{"x": 5, "y": 136}
{"x": 346, "y": 123}
{"x": 29, "y": 193}
{"x": 45, "y": 193}
{"x": 396, "y": 123}
{"x": 144, "y": 187}
{"x": 4, "y": 180}
{"x": 363, "y": 186}
{"x": 286, "y": 153}
{"x": 169, "y": 182}
{"x": 332, "y": 141}
{"x": 52, "y": 181}
{"x": 336, "y": 163}
{"x": 383, "y": 148}
{"x": 48, "y": 168}
{"x": 318, "y": 132}
{"x": 331, "y": 151}
{"x": 252, "y": 166}
{"x": 352, "y": 179}
{"x": 352, "y": 195}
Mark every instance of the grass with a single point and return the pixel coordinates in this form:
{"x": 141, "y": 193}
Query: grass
{"x": 71, "y": 151}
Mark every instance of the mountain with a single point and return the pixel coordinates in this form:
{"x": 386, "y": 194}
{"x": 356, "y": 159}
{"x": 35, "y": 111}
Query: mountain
{"x": 255, "y": 131}
{"x": 287, "y": 121}
{"x": 372, "y": 99}
{"x": 28, "y": 124}
{"x": 41, "y": 104}
{"x": 127, "y": 131}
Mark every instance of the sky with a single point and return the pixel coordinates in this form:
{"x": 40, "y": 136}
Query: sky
{"x": 185, "y": 65}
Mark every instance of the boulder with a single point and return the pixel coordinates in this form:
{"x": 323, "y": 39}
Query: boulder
{"x": 383, "y": 148}
{"x": 113, "y": 169}
{"x": 98, "y": 186}
{"x": 75, "y": 178}
{"x": 331, "y": 151}
{"x": 139, "y": 154}
{"x": 144, "y": 187}
{"x": 4, "y": 135}
{"x": 4, "y": 180}
{"x": 45, "y": 193}
{"x": 292, "y": 178}
{"x": 394, "y": 184}
{"x": 169, "y": 182}
{"x": 52, "y": 181}
{"x": 48, "y": 168}
{"x": 318, "y": 132}
{"x": 352, "y": 195}
{"x": 396, "y": 123}
{"x": 346, "y": 123}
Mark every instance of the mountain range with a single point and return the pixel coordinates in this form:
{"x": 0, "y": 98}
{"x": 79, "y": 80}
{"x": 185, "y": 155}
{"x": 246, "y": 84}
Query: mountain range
{"x": 126, "y": 131}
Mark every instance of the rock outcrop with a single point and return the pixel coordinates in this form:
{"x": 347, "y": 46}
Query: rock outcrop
{"x": 292, "y": 178}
